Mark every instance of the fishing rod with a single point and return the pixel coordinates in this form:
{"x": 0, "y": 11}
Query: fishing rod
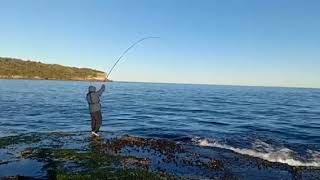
{"x": 125, "y": 52}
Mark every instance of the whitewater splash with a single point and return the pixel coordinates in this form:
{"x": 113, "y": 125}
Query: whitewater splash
{"x": 283, "y": 155}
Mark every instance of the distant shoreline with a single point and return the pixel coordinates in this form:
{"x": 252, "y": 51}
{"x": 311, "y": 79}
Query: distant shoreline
{"x": 11, "y": 68}
{"x": 43, "y": 79}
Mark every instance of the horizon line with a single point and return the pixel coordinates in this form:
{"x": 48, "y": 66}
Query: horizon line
{"x": 212, "y": 84}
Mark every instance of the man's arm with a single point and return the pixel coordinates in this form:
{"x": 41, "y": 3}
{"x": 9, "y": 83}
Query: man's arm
{"x": 101, "y": 90}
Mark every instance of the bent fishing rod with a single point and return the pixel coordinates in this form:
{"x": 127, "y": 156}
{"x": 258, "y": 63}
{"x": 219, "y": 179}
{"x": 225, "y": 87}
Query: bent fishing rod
{"x": 125, "y": 52}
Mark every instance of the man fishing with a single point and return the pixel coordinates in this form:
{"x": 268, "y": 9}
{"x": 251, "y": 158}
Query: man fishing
{"x": 93, "y": 98}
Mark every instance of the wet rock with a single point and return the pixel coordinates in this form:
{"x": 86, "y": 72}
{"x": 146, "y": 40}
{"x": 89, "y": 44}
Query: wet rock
{"x": 19, "y": 139}
{"x": 216, "y": 164}
{"x": 134, "y": 157}
{"x": 165, "y": 147}
{"x": 18, "y": 177}
{"x": 136, "y": 162}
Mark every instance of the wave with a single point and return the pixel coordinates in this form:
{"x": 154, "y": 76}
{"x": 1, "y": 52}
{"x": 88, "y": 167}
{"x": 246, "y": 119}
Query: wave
{"x": 266, "y": 152}
{"x": 214, "y": 122}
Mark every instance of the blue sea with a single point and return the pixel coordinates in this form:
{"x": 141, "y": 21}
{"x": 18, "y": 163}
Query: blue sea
{"x": 275, "y": 124}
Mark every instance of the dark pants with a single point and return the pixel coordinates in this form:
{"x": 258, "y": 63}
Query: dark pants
{"x": 96, "y": 121}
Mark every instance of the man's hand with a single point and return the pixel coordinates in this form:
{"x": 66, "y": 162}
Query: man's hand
{"x": 101, "y": 90}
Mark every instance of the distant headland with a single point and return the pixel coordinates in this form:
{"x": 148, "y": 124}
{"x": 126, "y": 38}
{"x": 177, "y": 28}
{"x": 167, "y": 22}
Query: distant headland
{"x": 11, "y": 68}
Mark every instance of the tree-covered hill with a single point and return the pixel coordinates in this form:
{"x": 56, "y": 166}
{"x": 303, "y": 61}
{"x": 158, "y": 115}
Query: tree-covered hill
{"x": 11, "y": 68}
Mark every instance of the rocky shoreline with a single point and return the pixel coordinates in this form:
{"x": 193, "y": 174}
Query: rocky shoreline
{"x": 100, "y": 79}
{"x": 77, "y": 155}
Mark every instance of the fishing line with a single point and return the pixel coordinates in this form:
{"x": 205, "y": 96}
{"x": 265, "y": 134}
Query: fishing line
{"x": 125, "y": 52}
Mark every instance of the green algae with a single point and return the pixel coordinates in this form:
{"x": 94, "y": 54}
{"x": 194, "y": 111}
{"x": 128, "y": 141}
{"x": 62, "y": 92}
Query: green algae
{"x": 114, "y": 174}
{"x": 19, "y": 139}
{"x": 92, "y": 165}
{"x": 88, "y": 160}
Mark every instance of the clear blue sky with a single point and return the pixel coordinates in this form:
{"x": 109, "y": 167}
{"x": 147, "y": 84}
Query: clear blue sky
{"x": 240, "y": 42}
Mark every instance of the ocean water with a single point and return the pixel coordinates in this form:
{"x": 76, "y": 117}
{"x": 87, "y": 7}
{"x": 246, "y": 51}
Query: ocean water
{"x": 274, "y": 124}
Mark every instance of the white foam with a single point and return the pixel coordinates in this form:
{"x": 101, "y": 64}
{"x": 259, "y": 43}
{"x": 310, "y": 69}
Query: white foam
{"x": 282, "y": 155}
